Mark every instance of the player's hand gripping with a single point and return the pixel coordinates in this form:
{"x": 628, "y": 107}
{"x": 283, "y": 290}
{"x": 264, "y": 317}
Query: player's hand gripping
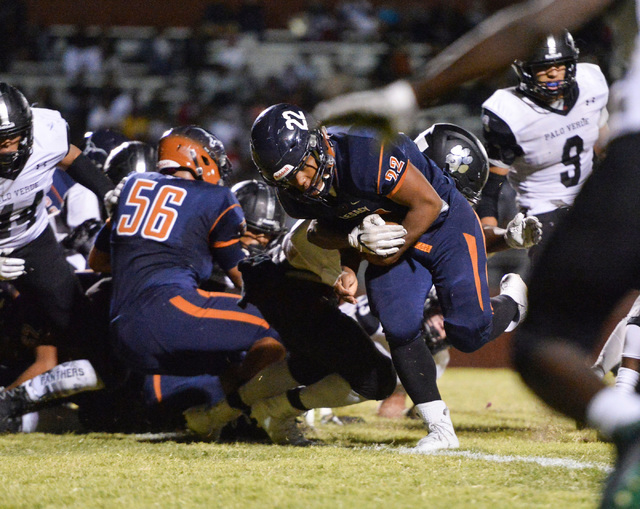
{"x": 375, "y": 236}
{"x": 10, "y": 268}
{"x": 523, "y": 232}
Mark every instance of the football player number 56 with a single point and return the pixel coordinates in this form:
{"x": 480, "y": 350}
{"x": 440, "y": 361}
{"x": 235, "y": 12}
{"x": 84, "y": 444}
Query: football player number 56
{"x": 152, "y": 219}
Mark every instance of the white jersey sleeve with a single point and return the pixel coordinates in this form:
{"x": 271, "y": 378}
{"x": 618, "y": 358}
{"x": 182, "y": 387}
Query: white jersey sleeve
{"x": 80, "y": 204}
{"x": 303, "y": 255}
{"x": 549, "y": 153}
{"x": 23, "y": 215}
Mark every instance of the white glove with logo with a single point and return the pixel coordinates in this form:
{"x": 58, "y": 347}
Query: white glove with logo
{"x": 112, "y": 197}
{"x": 375, "y": 236}
{"x": 523, "y": 232}
{"x": 10, "y": 268}
{"x": 396, "y": 102}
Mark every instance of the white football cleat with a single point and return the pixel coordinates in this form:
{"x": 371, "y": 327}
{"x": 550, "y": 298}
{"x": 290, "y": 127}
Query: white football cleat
{"x": 513, "y": 286}
{"x": 278, "y": 418}
{"x": 436, "y": 416}
{"x": 208, "y": 421}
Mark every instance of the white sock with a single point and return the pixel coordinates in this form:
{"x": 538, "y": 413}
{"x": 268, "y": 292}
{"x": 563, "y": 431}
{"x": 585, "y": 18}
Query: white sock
{"x": 63, "y": 380}
{"x": 627, "y": 380}
{"x": 611, "y": 409}
{"x": 433, "y": 411}
{"x": 611, "y": 352}
{"x": 631, "y": 347}
{"x": 330, "y": 392}
{"x": 271, "y": 381}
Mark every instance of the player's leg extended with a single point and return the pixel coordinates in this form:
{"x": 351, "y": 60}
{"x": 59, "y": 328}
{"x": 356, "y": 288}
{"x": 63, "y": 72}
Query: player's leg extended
{"x": 573, "y": 288}
{"x": 397, "y": 295}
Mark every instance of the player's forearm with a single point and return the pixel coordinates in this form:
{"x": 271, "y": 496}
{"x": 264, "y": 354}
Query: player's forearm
{"x": 326, "y": 238}
{"x": 417, "y": 221}
{"x": 495, "y": 43}
{"x": 494, "y": 238}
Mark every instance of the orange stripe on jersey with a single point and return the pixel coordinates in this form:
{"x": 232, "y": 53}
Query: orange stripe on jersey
{"x": 218, "y": 294}
{"x": 399, "y": 184}
{"x": 473, "y": 252}
{"x": 380, "y": 165}
{"x": 157, "y": 388}
{"x": 423, "y": 247}
{"x": 484, "y": 245}
{"x": 55, "y": 191}
{"x": 216, "y": 314}
{"x": 220, "y": 216}
{"x": 225, "y": 243}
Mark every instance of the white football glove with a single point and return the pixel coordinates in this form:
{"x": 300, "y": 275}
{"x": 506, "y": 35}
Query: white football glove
{"x": 112, "y": 197}
{"x": 396, "y": 102}
{"x": 523, "y": 232}
{"x": 374, "y": 236}
{"x": 10, "y": 268}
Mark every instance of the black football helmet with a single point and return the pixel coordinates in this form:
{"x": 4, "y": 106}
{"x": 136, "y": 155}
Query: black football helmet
{"x": 131, "y": 156}
{"x": 196, "y": 150}
{"x": 261, "y": 207}
{"x": 99, "y": 144}
{"x": 554, "y": 50}
{"x": 460, "y": 153}
{"x": 16, "y": 119}
{"x": 282, "y": 138}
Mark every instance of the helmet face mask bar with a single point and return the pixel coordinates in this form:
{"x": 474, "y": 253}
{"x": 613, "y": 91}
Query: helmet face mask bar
{"x": 555, "y": 51}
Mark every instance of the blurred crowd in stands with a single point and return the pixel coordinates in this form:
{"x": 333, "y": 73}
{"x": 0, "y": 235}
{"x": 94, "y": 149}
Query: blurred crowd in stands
{"x": 208, "y": 74}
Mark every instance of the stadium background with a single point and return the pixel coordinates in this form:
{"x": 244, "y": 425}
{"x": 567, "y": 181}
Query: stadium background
{"x": 142, "y": 67}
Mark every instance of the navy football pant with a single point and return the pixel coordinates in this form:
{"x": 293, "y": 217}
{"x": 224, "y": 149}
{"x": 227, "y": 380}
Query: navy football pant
{"x": 179, "y": 331}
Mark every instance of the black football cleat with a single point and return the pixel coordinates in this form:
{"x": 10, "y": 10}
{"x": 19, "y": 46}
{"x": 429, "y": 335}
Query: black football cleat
{"x": 13, "y": 404}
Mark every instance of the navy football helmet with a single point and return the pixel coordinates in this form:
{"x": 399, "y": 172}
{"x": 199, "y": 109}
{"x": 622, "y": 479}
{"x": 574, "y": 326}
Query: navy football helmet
{"x": 131, "y": 156}
{"x": 99, "y": 144}
{"x": 196, "y": 150}
{"x": 555, "y": 50}
{"x": 261, "y": 207}
{"x": 16, "y": 119}
{"x": 460, "y": 153}
{"x": 282, "y": 139}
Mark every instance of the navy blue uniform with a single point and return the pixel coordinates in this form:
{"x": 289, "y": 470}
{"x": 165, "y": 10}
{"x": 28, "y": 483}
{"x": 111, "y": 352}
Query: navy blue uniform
{"x": 450, "y": 254}
{"x": 164, "y": 236}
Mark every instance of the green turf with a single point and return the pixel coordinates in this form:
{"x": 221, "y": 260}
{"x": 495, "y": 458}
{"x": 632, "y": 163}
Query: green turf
{"x": 361, "y": 465}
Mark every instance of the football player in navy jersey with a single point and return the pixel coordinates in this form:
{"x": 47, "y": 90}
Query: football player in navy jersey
{"x": 574, "y": 285}
{"x": 348, "y": 180}
{"x": 33, "y": 143}
{"x": 331, "y": 360}
{"x": 541, "y": 135}
{"x": 165, "y": 232}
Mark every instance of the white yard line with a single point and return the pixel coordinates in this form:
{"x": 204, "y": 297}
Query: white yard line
{"x": 498, "y": 458}
{"x": 478, "y": 456}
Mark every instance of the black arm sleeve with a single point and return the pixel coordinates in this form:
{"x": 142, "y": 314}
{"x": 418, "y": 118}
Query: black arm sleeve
{"x": 488, "y": 206}
{"x": 85, "y": 172}
{"x": 500, "y": 141}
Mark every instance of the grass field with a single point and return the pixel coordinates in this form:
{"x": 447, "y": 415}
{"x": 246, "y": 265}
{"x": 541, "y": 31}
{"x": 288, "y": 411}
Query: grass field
{"x": 514, "y": 453}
